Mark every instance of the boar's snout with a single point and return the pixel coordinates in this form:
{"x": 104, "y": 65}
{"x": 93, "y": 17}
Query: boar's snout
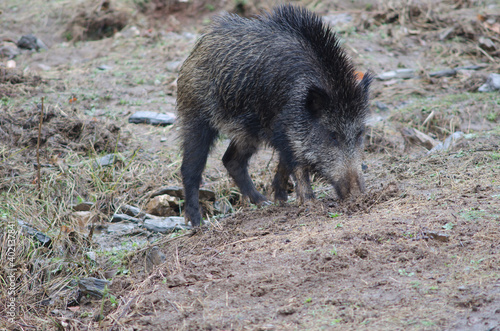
{"x": 351, "y": 184}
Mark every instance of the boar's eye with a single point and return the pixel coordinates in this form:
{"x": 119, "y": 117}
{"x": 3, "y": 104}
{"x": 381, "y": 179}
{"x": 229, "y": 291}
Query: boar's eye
{"x": 334, "y": 138}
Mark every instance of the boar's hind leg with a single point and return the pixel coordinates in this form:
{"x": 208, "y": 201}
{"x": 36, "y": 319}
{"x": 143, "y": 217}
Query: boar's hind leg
{"x": 236, "y": 162}
{"x": 303, "y": 185}
{"x": 197, "y": 140}
{"x": 280, "y": 182}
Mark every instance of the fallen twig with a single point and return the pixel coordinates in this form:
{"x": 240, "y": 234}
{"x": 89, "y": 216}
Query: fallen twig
{"x": 38, "y": 152}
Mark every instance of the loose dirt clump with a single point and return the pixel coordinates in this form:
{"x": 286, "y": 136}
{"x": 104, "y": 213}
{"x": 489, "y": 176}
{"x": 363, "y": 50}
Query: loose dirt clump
{"x": 59, "y": 131}
{"x": 11, "y": 81}
{"x": 99, "y": 21}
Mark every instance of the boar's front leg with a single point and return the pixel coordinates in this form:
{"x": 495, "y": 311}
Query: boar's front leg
{"x": 236, "y": 162}
{"x": 280, "y": 182}
{"x": 198, "y": 137}
{"x": 303, "y": 185}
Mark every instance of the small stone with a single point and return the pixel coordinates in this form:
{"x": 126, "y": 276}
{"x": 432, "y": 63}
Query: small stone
{"x": 131, "y": 211}
{"x": 449, "y": 142}
{"x": 9, "y": 52}
{"x": 417, "y": 137}
{"x": 121, "y": 227}
{"x": 11, "y": 64}
{"x": 30, "y": 231}
{"x": 472, "y": 67}
{"x": 439, "y": 236}
{"x": 124, "y": 217}
{"x": 175, "y": 280}
{"x": 31, "y": 42}
{"x": 154, "y": 257}
{"x": 173, "y": 66}
{"x": 104, "y": 67}
{"x": 91, "y": 256}
{"x": 487, "y": 44}
{"x": 492, "y": 84}
{"x": 337, "y": 19}
{"x": 153, "y": 118}
{"x": 287, "y": 310}
{"x": 443, "y": 73}
{"x": 399, "y": 74}
{"x": 162, "y": 205}
{"x": 382, "y": 106}
{"x": 189, "y": 35}
{"x": 106, "y": 160}
{"x": 92, "y": 286}
{"x": 166, "y": 224}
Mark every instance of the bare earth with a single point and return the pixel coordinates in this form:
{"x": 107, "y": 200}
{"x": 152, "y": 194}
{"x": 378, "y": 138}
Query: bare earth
{"x": 420, "y": 250}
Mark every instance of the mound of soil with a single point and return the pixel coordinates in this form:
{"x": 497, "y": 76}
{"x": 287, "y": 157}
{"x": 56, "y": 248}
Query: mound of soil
{"x": 99, "y": 22}
{"x": 10, "y": 78}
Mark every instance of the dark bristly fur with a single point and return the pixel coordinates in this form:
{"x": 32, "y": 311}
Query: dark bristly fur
{"x": 281, "y": 79}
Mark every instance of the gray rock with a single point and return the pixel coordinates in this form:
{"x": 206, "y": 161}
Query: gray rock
{"x": 419, "y": 138}
{"x": 492, "y": 84}
{"x": 382, "y": 106}
{"x": 30, "y": 231}
{"x": 165, "y": 224}
{"x": 121, "y": 227}
{"x": 337, "y": 19}
{"x": 31, "y": 42}
{"x": 173, "y": 66}
{"x": 124, "y": 217}
{"x": 92, "y": 256}
{"x": 92, "y": 286}
{"x": 448, "y": 143}
{"x": 132, "y": 211}
{"x": 487, "y": 44}
{"x": 154, "y": 257}
{"x": 399, "y": 73}
{"x": 9, "y": 52}
{"x": 153, "y": 118}
{"x": 443, "y": 73}
{"x": 472, "y": 67}
{"x": 189, "y": 35}
{"x": 106, "y": 160}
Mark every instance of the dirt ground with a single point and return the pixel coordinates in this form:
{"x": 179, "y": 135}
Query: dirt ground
{"x": 419, "y": 250}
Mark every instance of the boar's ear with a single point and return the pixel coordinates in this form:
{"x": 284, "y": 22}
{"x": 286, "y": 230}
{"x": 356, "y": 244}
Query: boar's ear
{"x": 316, "y": 100}
{"x": 366, "y": 81}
